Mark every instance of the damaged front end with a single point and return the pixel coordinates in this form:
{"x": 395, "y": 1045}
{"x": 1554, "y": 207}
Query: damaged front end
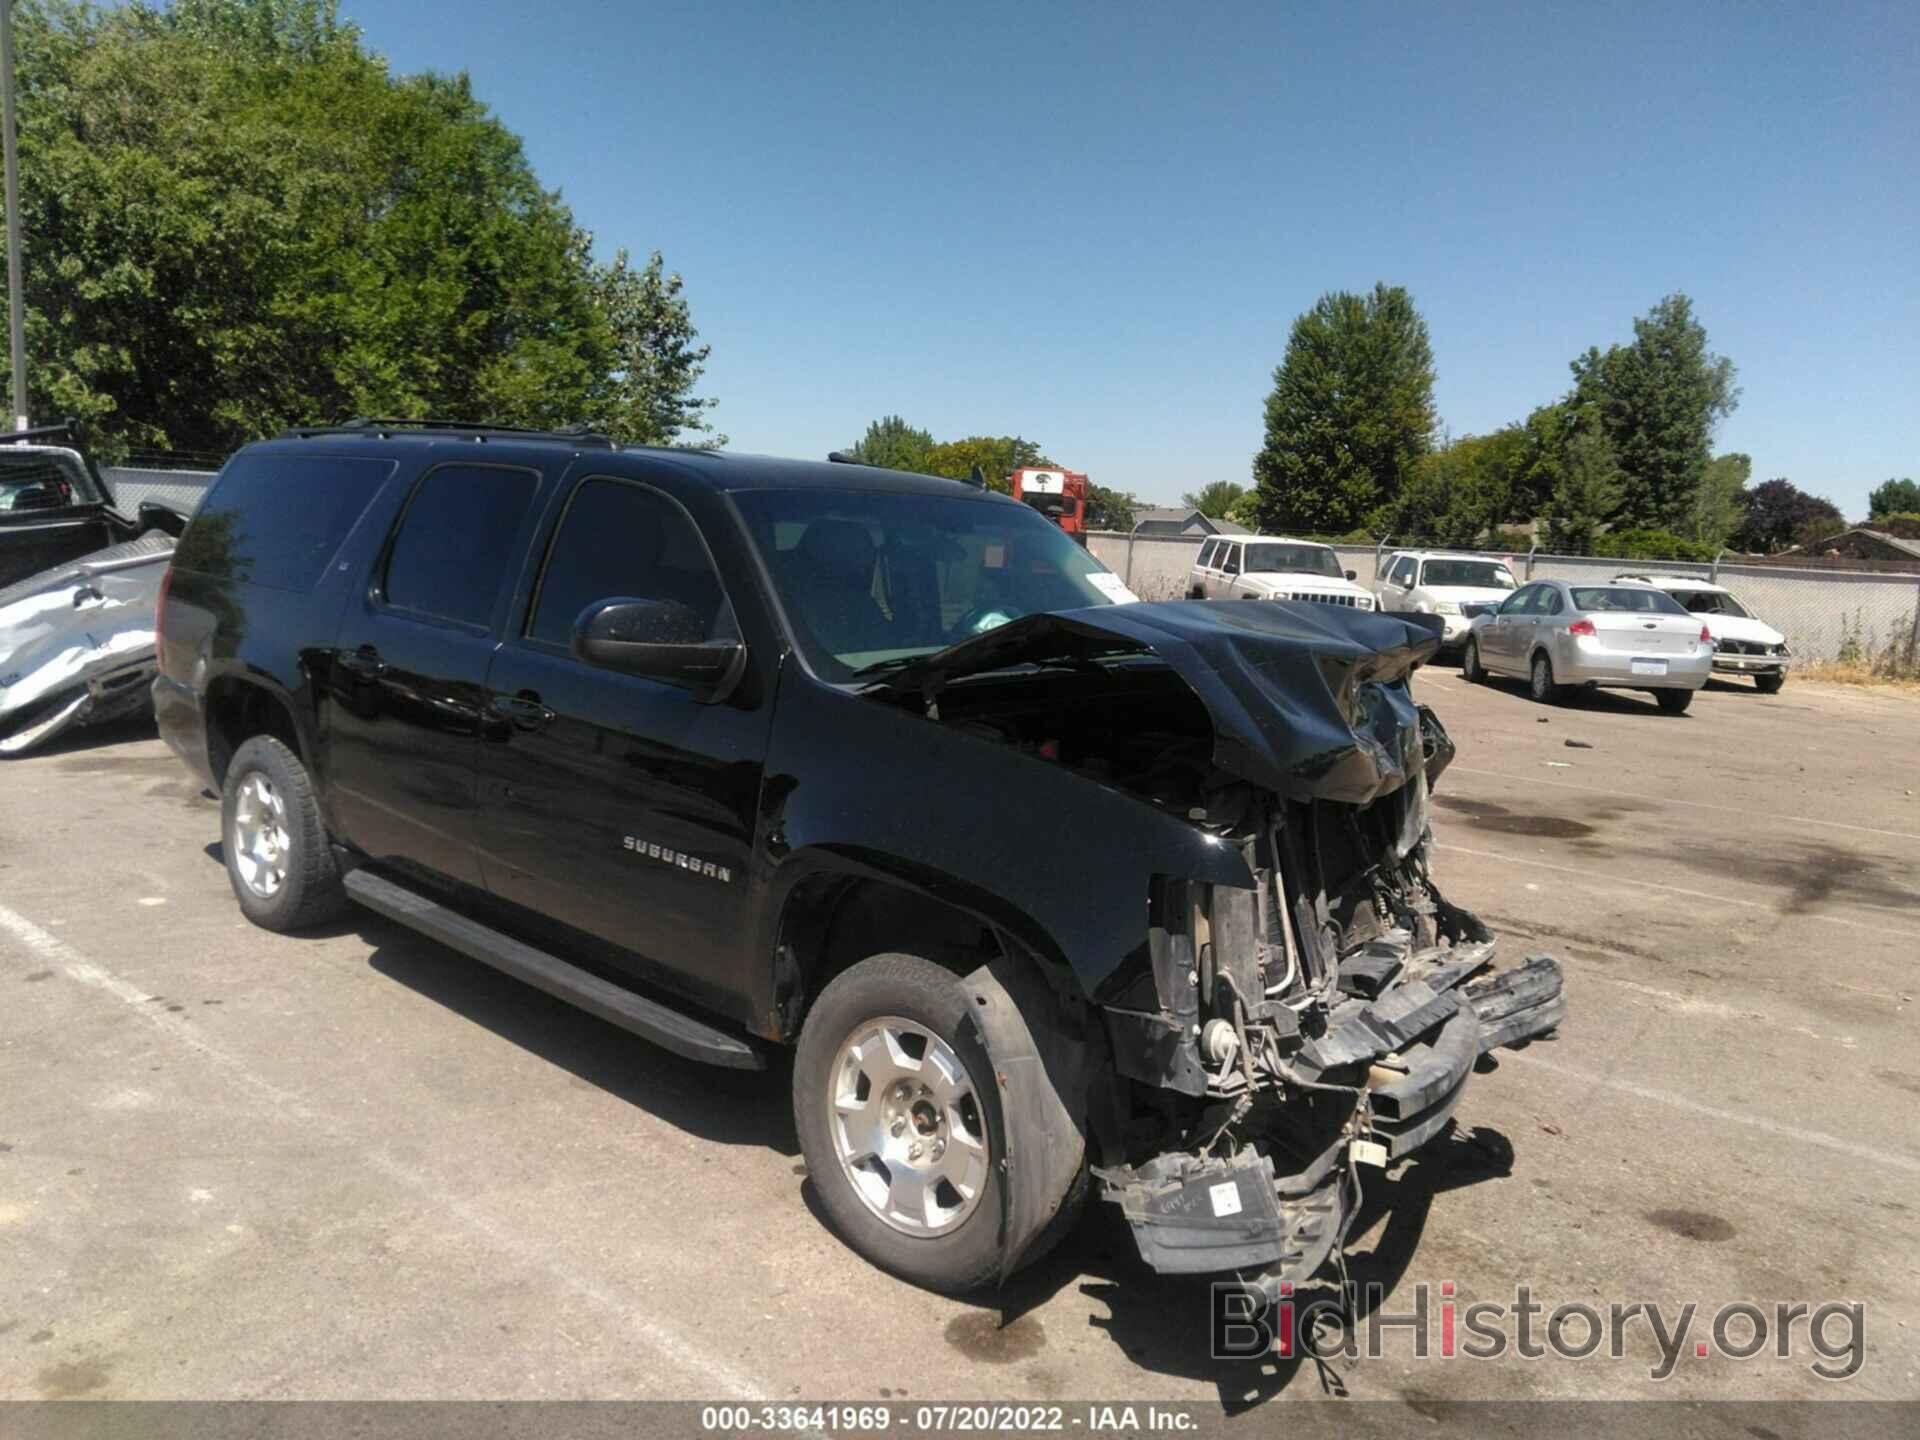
{"x": 1287, "y": 1036}
{"x": 1269, "y": 1039}
{"x": 77, "y": 642}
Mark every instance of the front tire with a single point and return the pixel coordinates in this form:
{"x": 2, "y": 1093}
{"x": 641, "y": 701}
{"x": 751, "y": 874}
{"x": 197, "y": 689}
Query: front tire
{"x": 1674, "y": 702}
{"x": 1471, "y": 670}
{"x": 901, "y": 1123}
{"x": 1541, "y": 683}
{"x": 278, "y": 856}
{"x": 1769, "y": 684}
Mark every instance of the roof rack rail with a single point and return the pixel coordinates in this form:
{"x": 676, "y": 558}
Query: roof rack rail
{"x": 364, "y": 425}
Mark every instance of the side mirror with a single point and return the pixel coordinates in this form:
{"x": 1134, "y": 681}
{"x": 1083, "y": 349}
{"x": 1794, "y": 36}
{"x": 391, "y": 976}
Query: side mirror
{"x": 1470, "y": 610}
{"x": 658, "y": 639}
{"x": 1353, "y": 574}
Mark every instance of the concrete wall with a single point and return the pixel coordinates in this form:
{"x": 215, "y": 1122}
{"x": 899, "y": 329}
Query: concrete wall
{"x": 1815, "y": 609}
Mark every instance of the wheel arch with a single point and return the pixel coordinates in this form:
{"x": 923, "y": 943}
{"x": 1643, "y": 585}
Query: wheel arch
{"x": 242, "y": 705}
{"x": 833, "y": 913}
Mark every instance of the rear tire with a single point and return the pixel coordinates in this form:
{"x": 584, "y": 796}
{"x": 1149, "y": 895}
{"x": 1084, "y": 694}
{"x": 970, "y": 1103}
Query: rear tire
{"x": 1769, "y": 684}
{"x": 909, "y": 1215}
{"x": 277, "y": 852}
{"x": 1471, "y": 670}
{"x": 1540, "y": 682}
{"x": 1674, "y": 702}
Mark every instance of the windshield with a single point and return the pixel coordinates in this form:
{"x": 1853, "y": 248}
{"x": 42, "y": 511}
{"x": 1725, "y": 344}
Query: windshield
{"x": 1710, "y": 602}
{"x": 1292, "y": 559}
{"x": 1599, "y": 598}
{"x": 1480, "y": 574}
{"x": 868, "y": 578}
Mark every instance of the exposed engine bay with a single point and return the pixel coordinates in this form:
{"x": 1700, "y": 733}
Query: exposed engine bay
{"x": 1276, "y": 1039}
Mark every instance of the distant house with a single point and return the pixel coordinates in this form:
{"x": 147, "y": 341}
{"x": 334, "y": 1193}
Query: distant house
{"x": 1860, "y": 543}
{"x": 1182, "y": 521}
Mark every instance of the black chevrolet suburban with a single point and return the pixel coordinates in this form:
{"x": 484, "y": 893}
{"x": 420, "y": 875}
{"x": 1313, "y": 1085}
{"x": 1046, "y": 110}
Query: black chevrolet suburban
{"x": 1051, "y": 890}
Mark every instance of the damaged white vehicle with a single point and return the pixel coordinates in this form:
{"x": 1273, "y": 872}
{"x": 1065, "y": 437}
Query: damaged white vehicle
{"x": 78, "y": 585}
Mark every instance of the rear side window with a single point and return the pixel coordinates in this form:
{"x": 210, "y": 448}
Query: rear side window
{"x": 1230, "y": 561}
{"x": 450, "y": 555}
{"x": 1206, "y": 554}
{"x": 277, "y": 520}
{"x": 622, "y": 540}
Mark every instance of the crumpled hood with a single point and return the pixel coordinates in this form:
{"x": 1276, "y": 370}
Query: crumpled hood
{"x": 1310, "y": 701}
{"x": 1742, "y": 627}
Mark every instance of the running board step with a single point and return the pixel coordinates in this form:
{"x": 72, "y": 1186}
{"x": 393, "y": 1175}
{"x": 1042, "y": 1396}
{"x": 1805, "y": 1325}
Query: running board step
{"x": 666, "y": 1027}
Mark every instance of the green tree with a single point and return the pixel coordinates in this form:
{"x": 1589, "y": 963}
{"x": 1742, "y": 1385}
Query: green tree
{"x": 1719, "y": 504}
{"x": 1537, "y": 479}
{"x": 1588, "y": 495}
{"x": 893, "y": 444}
{"x": 998, "y": 456}
{"x": 1246, "y": 510}
{"x": 647, "y": 397}
{"x": 1457, "y": 493}
{"x": 1109, "y": 509}
{"x": 1350, "y": 412}
{"x": 1658, "y": 401}
{"x": 240, "y": 219}
{"x": 1896, "y": 497}
{"x": 1214, "y": 500}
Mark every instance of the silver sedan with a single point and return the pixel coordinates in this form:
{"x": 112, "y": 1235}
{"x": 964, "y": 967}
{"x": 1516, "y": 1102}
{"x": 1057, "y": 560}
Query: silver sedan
{"x": 1561, "y": 634}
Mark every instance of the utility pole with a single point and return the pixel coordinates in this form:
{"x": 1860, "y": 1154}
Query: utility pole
{"x": 16, "y": 313}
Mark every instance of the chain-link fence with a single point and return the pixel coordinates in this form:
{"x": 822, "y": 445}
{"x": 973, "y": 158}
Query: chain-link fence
{"x": 182, "y": 489}
{"x": 1819, "y": 611}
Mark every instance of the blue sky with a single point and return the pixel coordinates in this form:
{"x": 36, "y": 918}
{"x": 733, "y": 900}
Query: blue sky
{"x": 1093, "y": 225}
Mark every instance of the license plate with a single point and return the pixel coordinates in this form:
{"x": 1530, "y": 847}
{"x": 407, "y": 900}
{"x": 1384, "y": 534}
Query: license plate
{"x": 1649, "y": 667}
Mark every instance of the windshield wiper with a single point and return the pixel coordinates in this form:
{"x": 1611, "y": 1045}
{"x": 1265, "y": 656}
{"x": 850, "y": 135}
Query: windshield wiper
{"x": 898, "y": 662}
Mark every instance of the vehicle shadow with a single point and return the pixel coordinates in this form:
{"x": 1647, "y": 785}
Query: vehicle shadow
{"x": 729, "y": 1107}
{"x": 80, "y": 739}
{"x": 1162, "y": 1322}
{"x": 1615, "y": 702}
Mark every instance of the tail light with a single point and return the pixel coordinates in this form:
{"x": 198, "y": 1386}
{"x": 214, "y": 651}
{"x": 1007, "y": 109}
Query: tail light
{"x": 160, "y": 621}
{"x": 1706, "y": 636}
{"x": 1582, "y": 627}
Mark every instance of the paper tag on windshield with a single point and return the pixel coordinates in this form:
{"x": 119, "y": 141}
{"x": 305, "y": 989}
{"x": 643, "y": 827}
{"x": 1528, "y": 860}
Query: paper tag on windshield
{"x": 1110, "y": 585}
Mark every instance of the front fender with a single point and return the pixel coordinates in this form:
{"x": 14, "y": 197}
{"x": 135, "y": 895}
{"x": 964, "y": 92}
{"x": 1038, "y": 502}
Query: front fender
{"x": 1059, "y": 862}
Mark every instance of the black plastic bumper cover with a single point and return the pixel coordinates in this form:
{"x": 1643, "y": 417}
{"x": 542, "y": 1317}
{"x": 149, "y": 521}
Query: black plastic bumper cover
{"x": 1191, "y": 1216}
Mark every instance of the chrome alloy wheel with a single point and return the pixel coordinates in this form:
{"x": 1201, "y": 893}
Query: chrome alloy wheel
{"x": 260, "y": 840}
{"x": 908, "y": 1125}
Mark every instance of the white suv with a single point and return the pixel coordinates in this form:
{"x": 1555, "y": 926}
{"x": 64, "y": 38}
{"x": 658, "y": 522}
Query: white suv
{"x": 1432, "y": 582}
{"x": 1262, "y": 567}
{"x": 1743, "y": 644}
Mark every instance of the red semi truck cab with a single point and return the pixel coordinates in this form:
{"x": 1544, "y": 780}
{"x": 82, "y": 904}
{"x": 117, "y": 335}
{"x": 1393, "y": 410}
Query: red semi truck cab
{"x": 1060, "y": 495}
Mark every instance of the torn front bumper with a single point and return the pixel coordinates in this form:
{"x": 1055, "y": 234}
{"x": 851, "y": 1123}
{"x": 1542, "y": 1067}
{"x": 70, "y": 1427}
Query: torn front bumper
{"x": 1416, "y": 1045}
